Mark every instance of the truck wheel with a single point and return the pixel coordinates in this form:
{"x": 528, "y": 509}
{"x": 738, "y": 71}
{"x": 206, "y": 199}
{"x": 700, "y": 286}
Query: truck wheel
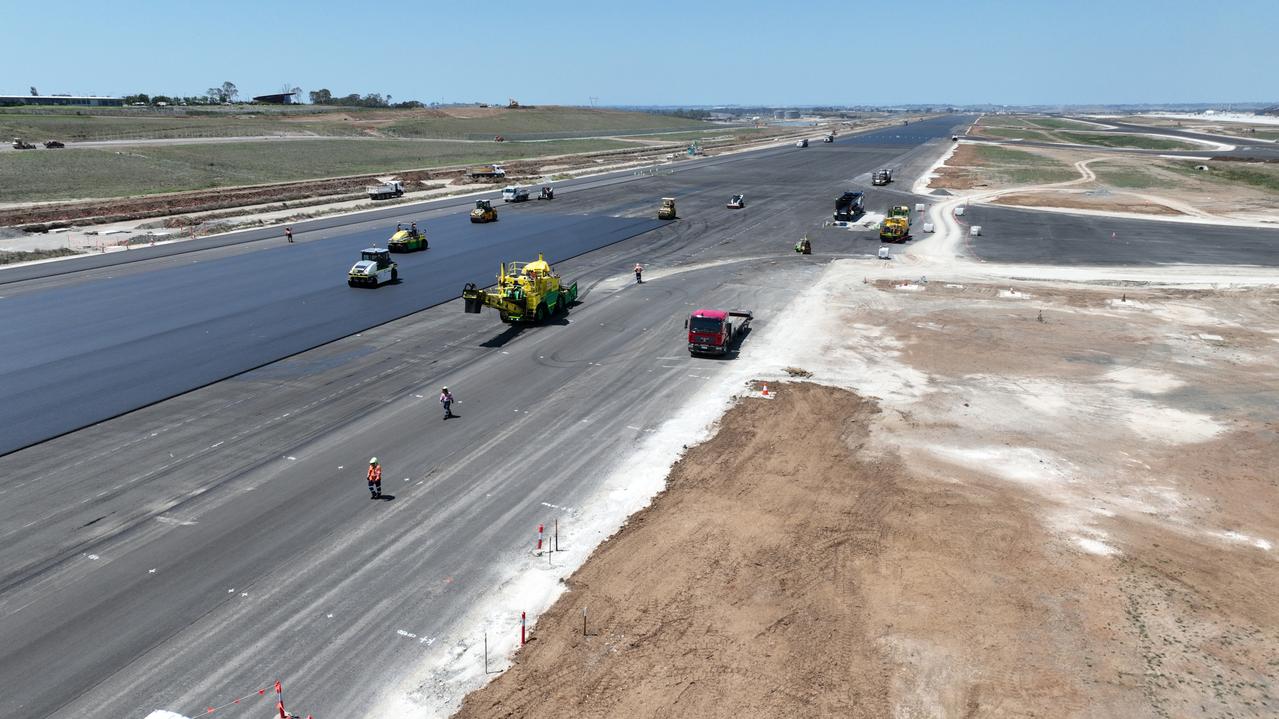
{"x": 395, "y": 275}
{"x": 350, "y": 283}
{"x": 540, "y": 313}
{"x": 373, "y": 281}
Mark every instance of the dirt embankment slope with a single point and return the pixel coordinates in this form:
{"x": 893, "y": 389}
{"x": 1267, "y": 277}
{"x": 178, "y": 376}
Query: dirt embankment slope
{"x": 1061, "y": 505}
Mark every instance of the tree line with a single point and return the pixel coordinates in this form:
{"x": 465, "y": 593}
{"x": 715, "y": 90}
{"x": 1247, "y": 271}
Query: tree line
{"x": 355, "y": 99}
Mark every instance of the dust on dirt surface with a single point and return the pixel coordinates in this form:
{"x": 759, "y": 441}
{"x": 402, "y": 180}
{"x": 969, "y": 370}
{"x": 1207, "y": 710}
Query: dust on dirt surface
{"x": 1013, "y": 500}
{"x": 1100, "y": 200}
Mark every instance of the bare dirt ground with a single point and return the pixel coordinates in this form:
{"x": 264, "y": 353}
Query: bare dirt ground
{"x": 1133, "y": 184}
{"x": 1100, "y": 200}
{"x": 1014, "y": 500}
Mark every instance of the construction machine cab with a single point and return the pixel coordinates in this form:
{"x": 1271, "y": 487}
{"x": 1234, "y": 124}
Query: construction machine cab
{"x": 667, "y": 210}
{"x": 378, "y": 255}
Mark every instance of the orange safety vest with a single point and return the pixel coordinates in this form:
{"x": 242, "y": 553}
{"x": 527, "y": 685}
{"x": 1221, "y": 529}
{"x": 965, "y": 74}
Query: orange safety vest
{"x": 375, "y": 473}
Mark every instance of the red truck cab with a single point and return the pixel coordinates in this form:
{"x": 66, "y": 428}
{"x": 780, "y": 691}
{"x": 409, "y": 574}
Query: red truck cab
{"x": 715, "y": 331}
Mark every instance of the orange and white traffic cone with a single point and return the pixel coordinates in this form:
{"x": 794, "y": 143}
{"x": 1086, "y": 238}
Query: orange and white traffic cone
{"x": 765, "y": 389}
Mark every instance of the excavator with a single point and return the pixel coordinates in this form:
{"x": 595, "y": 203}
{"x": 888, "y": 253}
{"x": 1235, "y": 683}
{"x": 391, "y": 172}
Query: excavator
{"x": 526, "y": 292}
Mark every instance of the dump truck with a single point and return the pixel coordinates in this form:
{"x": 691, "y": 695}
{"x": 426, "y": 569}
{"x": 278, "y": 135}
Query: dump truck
{"x": 410, "y": 240}
{"x": 483, "y": 172}
{"x": 881, "y": 177}
{"x": 716, "y": 332}
{"x": 894, "y": 229}
{"x": 20, "y": 144}
{"x": 374, "y": 268}
{"x": 483, "y": 212}
{"x": 525, "y": 292}
{"x": 667, "y": 210}
{"x": 386, "y": 190}
{"x": 849, "y": 206}
{"x": 515, "y": 193}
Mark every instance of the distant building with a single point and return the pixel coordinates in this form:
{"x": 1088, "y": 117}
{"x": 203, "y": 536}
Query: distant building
{"x": 67, "y": 100}
{"x": 792, "y": 114}
{"x": 279, "y": 98}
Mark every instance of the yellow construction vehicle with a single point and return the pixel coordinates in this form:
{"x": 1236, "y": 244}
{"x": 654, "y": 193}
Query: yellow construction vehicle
{"x": 525, "y": 292}
{"x": 667, "y": 210}
{"x": 894, "y": 229}
{"x": 483, "y": 212}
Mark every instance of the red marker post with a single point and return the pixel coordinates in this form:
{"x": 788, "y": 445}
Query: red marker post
{"x": 523, "y": 622}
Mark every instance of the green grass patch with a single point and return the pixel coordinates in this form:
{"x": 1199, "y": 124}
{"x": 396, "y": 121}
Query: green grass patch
{"x": 540, "y": 123}
{"x": 1057, "y": 123}
{"x": 82, "y": 128}
{"x": 1125, "y": 176}
{"x": 8, "y": 257}
{"x": 141, "y": 170}
{"x": 1023, "y": 168}
{"x": 1259, "y": 175}
{"x": 1134, "y": 141}
{"x": 1017, "y": 134}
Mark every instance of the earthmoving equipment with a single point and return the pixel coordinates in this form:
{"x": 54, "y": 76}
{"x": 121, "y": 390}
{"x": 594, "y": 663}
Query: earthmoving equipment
{"x": 881, "y": 177}
{"x": 736, "y": 202}
{"x": 525, "y": 292}
{"x": 801, "y": 143}
{"x": 716, "y": 331}
{"x": 515, "y": 193}
{"x": 483, "y": 212}
{"x": 374, "y": 268}
{"x": 548, "y": 193}
{"x": 849, "y": 206}
{"x": 804, "y": 247}
{"x": 53, "y": 145}
{"x": 894, "y": 229}
{"x": 829, "y": 138}
{"x": 695, "y": 149}
{"x": 18, "y": 144}
{"x": 667, "y": 210}
{"x": 482, "y": 172}
{"x": 386, "y": 190}
{"x": 499, "y": 138}
{"x": 410, "y": 240}
{"x": 902, "y": 211}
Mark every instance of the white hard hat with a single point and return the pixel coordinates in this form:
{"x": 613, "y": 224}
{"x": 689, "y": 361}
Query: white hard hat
{"x": 373, "y": 461}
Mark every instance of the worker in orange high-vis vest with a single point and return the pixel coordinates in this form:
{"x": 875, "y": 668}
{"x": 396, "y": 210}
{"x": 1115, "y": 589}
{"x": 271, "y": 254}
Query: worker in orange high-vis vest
{"x": 375, "y": 479}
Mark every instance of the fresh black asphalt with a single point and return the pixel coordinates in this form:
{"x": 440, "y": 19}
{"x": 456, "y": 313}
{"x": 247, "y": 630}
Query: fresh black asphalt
{"x": 83, "y": 353}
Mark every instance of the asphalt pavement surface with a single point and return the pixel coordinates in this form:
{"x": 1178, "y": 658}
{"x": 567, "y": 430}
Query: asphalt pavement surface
{"x": 201, "y": 546}
{"x": 1056, "y": 238}
{"x": 82, "y": 352}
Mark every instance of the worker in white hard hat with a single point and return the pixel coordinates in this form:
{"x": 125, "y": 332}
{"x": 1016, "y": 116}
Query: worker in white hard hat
{"x": 375, "y": 479}
{"x": 446, "y": 400}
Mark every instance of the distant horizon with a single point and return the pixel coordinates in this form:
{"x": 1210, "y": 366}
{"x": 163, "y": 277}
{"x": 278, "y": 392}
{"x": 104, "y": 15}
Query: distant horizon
{"x": 911, "y": 105}
{"x": 750, "y": 52}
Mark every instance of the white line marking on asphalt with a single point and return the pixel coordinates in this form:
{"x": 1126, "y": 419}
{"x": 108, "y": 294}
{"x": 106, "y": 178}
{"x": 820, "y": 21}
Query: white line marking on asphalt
{"x": 231, "y": 590}
{"x": 219, "y": 444}
{"x": 151, "y": 571}
{"x": 93, "y": 556}
{"x": 291, "y": 459}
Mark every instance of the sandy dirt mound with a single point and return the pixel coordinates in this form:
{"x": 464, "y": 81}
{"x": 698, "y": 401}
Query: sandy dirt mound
{"x": 745, "y": 579}
{"x": 1059, "y": 503}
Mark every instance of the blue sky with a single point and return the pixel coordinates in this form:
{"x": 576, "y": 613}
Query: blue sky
{"x": 660, "y": 52}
